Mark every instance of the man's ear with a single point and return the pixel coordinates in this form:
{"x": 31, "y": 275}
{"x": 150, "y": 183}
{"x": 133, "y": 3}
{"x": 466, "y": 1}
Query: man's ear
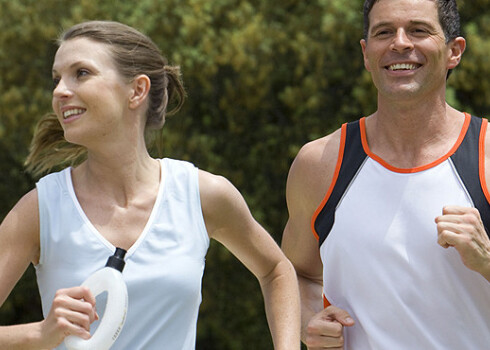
{"x": 139, "y": 92}
{"x": 456, "y": 49}
{"x": 363, "y": 48}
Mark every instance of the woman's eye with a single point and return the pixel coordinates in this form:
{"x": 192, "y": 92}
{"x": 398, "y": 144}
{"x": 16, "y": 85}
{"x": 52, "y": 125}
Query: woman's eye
{"x": 56, "y": 81}
{"x": 82, "y": 72}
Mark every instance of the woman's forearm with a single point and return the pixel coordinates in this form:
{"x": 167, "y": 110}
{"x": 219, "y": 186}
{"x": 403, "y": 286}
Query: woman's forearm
{"x": 21, "y": 337}
{"x": 281, "y": 296}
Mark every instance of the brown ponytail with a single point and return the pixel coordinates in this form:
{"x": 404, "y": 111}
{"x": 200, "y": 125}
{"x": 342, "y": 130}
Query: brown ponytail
{"x": 49, "y": 149}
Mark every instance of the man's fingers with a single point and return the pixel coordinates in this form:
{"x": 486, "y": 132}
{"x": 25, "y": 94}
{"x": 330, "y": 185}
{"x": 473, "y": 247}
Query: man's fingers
{"x": 320, "y": 342}
{"x": 453, "y": 209}
{"x": 340, "y": 315}
{"x": 446, "y": 239}
{"x": 325, "y": 327}
{"x": 457, "y": 210}
{"x": 324, "y": 333}
{"x": 464, "y": 219}
{"x": 453, "y": 227}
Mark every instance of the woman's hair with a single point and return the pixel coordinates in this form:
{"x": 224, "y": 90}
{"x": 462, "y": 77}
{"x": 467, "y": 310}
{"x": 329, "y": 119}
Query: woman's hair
{"x": 133, "y": 53}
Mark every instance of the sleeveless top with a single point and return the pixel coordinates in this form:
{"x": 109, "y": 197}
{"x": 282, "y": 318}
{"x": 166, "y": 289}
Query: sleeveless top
{"x": 164, "y": 267}
{"x": 378, "y": 245}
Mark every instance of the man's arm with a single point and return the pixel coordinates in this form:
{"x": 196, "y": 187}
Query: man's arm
{"x": 308, "y": 181}
{"x": 463, "y": 229}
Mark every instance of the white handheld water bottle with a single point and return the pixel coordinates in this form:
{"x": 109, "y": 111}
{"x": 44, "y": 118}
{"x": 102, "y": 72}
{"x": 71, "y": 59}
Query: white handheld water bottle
{"x": 107, "y": 279}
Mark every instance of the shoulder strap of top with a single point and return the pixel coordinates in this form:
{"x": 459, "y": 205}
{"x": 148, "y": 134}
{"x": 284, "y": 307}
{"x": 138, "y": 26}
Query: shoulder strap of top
{"x": 352, "y": 159}
{"x": 469, "y": 162}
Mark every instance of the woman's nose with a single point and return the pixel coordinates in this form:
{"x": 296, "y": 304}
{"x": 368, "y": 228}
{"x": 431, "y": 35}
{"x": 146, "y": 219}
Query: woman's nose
{"x": 61, "y": 89}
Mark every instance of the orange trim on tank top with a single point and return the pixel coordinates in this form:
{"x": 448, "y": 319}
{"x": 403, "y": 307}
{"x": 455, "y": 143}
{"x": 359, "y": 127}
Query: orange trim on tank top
{"x": 362, "y": 124}
{"x": 343, "y": 133}
{"x": 481, "y": 162}
{"x": 326, "y": 303}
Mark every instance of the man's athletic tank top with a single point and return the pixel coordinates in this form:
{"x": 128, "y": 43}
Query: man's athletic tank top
{"x": 378, "y": 245}
{"x": 164, "y": 267}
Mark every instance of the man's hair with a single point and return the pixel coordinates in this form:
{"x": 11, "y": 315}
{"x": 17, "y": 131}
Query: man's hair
{"x": 448, "y": 18}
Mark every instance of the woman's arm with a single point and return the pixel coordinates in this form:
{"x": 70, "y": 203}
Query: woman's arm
{"x": 229, "y": 221}
{"x": 19, "y": 246}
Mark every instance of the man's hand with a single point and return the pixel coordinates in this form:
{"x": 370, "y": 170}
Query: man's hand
{"x": 462, "y": 228}
{"x": 324, "y": 331}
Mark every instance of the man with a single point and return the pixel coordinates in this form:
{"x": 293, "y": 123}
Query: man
{"x": 386, "y": 194}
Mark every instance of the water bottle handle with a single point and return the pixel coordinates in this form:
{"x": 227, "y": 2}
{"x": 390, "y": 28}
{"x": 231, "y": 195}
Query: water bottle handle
{"x": 110, "y": 280}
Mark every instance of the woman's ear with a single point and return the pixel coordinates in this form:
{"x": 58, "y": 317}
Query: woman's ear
{"x": 139, "y": 91}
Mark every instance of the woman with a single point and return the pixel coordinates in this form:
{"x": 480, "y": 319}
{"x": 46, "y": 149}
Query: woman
{"x": 111, "y": 85}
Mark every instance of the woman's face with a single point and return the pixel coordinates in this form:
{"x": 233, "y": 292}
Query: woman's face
{"x": 90, "y": 97}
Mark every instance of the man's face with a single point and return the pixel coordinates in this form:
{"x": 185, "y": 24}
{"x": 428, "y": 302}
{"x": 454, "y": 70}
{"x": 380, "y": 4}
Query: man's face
{"x": 405, "y": 50}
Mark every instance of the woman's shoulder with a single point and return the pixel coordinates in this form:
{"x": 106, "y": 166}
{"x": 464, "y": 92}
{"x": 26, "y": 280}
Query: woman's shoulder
{"x": 218, "y": 193}
{"x": 214, "y": 186}
{"x": 21, "y": 225}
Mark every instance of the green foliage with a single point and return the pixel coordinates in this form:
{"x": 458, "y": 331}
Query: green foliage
{"x": 470, "y": 80}
{"x": 263, "y": 78}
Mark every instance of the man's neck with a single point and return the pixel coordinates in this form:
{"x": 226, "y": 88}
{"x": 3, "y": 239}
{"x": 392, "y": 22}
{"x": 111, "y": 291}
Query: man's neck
{"x": 409, "y": 136}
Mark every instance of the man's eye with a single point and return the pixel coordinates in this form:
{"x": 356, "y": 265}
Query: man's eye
{"x": 382, "y": 33}
{"x": 421, "y": 31}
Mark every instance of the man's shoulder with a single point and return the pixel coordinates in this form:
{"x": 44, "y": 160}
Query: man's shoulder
{"x": 321, "y": 150}
{"x": 313, "y": 168}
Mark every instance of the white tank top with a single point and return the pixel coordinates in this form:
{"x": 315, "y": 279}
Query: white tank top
{"x": 382, "y": 263}
{"x": 164, "y": 267}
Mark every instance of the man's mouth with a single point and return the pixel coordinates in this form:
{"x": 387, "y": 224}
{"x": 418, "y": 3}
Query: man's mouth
{"x": 403, "y": 66}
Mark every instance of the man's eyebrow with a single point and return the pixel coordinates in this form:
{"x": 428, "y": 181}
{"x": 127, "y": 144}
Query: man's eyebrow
{"x": 413, "y": 22}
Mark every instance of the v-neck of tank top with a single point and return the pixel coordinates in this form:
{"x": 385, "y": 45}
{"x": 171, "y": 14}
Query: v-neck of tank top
{"x": 93, "y": 229}
{"x": 378, "y": 159}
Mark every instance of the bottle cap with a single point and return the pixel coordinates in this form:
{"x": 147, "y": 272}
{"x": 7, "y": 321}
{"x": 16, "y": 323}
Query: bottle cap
{"x": 116, "y": 261}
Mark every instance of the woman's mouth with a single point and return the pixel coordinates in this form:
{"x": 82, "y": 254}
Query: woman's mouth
{"x": 71, "y": 112}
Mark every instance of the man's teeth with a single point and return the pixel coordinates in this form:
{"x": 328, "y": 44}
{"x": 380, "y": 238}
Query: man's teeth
{"x": 71, "y": 112}
{"x": 402, "y": 66}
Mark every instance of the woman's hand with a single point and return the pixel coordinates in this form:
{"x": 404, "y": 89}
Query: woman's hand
{"x": 72, "y": 312}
